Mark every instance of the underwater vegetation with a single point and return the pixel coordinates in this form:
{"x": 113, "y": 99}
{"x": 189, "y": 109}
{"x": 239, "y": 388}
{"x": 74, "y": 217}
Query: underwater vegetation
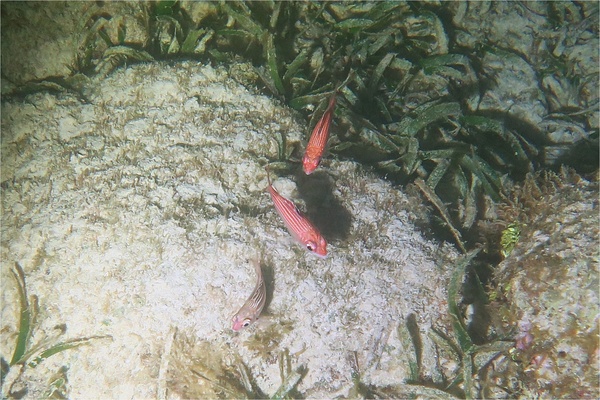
{"x": 397, "y": 109}
{"x": 29, "y": 355}
{"x": 531, "y": 329}
{"x": 418, "y": 91}
{"x": 198, "y": 369}
{"x": 469, "y": 379}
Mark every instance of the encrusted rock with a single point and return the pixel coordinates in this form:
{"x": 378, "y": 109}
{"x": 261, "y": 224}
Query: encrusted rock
{"x": 551, "y": 284}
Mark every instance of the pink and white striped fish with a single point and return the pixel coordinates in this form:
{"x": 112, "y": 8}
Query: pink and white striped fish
{"x": 297, "y": 224}
{"x": 255, "y": 303}
{"x": 318, "y": 140}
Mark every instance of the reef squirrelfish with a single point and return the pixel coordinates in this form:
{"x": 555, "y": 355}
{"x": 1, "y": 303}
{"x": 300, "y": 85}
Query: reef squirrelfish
{"x": 255, "y": 303}
{"x": 297, "y": 224}
{"x": 318, "y": 140}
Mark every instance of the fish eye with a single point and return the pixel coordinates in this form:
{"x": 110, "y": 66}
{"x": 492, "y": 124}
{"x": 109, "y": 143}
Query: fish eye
{"x": 311, "y": 246}
{"x": 246, "y": 323}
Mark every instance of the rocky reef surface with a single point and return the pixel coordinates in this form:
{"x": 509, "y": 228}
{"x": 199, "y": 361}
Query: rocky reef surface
{"x": 550, "y": 282}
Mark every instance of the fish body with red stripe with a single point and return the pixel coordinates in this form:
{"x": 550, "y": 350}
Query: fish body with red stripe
{"x": 318, "y": 140}
{"x": 255, "y": 303}
{"x": 297, "y": 224}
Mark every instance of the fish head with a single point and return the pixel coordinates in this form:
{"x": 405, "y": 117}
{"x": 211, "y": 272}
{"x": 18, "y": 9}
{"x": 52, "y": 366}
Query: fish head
{"x": 317, "y": 245}
{"x": 310, "y": 164}
{"x": 241, "y": 321}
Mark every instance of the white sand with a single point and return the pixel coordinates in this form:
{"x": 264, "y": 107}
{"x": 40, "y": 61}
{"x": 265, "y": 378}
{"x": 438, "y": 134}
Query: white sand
{"x": 135, "y": 217}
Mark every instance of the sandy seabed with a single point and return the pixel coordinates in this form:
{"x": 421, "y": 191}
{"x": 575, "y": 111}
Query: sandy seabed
{"x": 136, "y": 215}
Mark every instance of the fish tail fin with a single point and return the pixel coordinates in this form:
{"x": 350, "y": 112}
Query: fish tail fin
{"x": 345, "y": 82}
{"x": 332, "y": 101}
{"x": 268, "y": 169}
{"x": 257, "y": 262}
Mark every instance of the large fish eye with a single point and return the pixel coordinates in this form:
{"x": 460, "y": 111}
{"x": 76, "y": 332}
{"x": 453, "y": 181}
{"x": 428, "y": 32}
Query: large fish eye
{"x": 311, "y": 246}
{"x": 246, "y": 323}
